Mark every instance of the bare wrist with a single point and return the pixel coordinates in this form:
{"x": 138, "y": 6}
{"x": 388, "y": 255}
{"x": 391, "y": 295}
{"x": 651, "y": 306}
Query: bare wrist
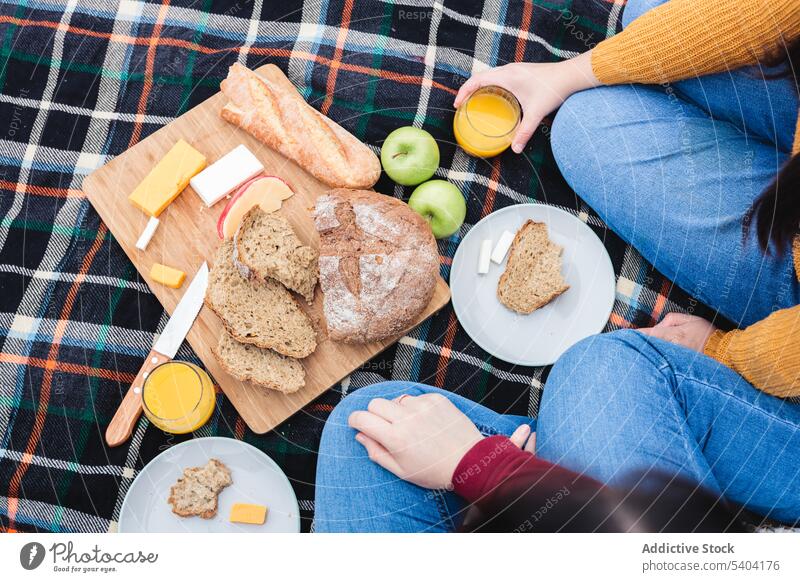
{"x": 582, "y": 75}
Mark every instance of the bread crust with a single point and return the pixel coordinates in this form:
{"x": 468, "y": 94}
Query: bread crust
{"x": 378, "y": 264}
{"x": 250, "y": 378}
{"x": 244, "y": 377}
{"x": 268, "y": 106}
{"x": 504, "y": 277}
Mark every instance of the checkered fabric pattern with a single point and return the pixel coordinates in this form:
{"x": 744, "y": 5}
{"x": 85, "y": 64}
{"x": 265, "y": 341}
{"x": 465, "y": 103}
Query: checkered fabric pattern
{"x": 82, "y": 81}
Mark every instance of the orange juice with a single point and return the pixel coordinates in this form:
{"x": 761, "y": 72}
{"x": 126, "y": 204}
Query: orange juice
{"x": 178, "y": 397}
{"x": 485, "y": 123}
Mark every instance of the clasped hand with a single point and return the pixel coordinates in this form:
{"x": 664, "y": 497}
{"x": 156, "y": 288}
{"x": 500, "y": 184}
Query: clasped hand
{"x": 421, "y": 439}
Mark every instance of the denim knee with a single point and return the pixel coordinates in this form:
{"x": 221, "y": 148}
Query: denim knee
{"x": 635, "y": 8}
{"x": 591, "y": 379}
{"x": 596, "y": 364}
{"x": 578, "y": 134}
{"x": 563, "y": 137}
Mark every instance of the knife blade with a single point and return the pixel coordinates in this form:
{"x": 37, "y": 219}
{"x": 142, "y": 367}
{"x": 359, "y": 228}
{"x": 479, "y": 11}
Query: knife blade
{"x": 164, "y": 349}
{"x": 184, "y": 315}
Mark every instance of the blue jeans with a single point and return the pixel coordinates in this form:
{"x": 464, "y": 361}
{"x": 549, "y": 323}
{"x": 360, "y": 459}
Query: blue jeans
{"x": 674, "y": 170}
{"x": 623, "y": 402}
{"x": 613, "y": 405}
{"x": 353, "y": 494}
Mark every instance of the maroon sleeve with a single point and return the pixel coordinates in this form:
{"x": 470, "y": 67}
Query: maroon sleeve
{"x": 495, "y": 460}
{"x": 513, "y": 490}
{"x": 510, "y": 490}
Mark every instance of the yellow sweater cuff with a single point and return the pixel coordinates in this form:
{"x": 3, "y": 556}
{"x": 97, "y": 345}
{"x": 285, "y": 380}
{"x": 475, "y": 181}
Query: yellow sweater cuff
{"x": 796, "y": 244}
{"x": 608, "y": 65}
{"x": 717, "y": 346}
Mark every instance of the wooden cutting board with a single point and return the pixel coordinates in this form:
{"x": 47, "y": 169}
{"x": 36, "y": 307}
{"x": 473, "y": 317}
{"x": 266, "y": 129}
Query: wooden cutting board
{"x": 187, "y": 236}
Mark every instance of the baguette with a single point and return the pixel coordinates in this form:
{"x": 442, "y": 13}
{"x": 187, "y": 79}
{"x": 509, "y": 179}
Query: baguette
{"x": 268, "y": 106}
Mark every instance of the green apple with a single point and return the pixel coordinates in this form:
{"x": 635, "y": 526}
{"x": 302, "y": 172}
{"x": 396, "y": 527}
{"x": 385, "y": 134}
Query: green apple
{"x": 410, "y": 156}
{"x": 441, "y": 204}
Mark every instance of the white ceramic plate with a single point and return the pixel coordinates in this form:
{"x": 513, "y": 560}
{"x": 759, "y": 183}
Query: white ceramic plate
{"x": 540, "y": 338}
{"x": 256, "y": 479}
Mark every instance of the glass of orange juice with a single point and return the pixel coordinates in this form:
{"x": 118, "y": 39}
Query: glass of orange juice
{"x": 178, "y": 397}
{"x": 485, "y": 123}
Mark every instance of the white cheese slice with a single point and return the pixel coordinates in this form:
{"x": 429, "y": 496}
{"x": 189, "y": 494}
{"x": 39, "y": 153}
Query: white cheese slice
{"x": 147, "y": 233}
{"x": 223, "y": 176}
{"x": 501, "y": 249}
{"x": 483, "y": 258}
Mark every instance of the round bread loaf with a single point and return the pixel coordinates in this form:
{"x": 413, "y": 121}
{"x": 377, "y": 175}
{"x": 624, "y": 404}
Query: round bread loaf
{"x": 377, "y": 267}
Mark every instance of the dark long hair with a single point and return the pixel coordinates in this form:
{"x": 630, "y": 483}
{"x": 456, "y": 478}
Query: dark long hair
{"x": 648, "y": 502}
{"x": 776, "y": 212}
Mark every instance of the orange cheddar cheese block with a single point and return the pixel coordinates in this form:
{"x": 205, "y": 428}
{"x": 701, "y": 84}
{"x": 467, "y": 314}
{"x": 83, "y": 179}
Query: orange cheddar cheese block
{"x": 248, "y": 513}
{"x": 168, "y": 179}
{"x": 167, "y": 275}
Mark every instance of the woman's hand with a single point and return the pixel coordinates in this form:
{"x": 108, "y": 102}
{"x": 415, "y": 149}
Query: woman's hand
{"x": 688, "y": 331}
{"x": 420, "y": 439}
{"x": 540, "y": 88}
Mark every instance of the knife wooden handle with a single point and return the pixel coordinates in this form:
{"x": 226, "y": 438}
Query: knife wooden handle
{"x": 121, "y": 426}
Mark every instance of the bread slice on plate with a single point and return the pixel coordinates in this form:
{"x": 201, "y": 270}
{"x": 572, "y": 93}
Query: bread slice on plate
{"x": 264, "y": 368}
{"x": 197, "y": 492}
{"x": 266, "y": 244}
{"x": 260, "y": 313}
{"x": 532, "y": 278}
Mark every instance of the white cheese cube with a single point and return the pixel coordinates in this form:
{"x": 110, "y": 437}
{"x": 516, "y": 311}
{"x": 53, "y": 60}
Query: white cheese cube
{"x": 147, "y": 233}
{"x": 483, "y": 259}
{"x": 501, "y": 249}
{"x": 223, "y": 176}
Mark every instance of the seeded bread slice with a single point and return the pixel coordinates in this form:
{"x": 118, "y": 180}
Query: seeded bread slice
{"x": 266, "y": 244}
{"x": 261, "y": 367}
{"x": 260, "y": 313}
{"x": 532, "y": 278}
{"x": 197, "y": 491}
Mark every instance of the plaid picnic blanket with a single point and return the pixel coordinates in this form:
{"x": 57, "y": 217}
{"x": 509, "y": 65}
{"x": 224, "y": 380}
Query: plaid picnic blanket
{"x": 82, "y": 81}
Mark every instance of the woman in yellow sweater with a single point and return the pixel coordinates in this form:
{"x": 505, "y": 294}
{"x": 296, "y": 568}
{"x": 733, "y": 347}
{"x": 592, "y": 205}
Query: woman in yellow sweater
{"x": 682, "y": 133}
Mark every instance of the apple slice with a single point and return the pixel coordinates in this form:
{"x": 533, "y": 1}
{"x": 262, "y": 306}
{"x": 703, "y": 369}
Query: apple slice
{"x": 268, "y": 192}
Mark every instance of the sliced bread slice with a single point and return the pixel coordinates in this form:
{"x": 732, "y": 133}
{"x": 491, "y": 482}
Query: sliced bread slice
{"x": 532, "y": 278}
{"x": 266, "y": 244}
{"x": 197, "y": 491}
{"x": 260, "y": 313}
{"x": 259, "y": 366}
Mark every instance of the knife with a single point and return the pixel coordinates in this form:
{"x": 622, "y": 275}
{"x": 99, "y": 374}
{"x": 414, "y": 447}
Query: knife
{"x": 164, "y": 349}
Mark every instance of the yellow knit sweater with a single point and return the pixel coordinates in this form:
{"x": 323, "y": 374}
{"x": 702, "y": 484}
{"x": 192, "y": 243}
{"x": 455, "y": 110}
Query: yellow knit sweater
{"x": 689, "y": 38}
